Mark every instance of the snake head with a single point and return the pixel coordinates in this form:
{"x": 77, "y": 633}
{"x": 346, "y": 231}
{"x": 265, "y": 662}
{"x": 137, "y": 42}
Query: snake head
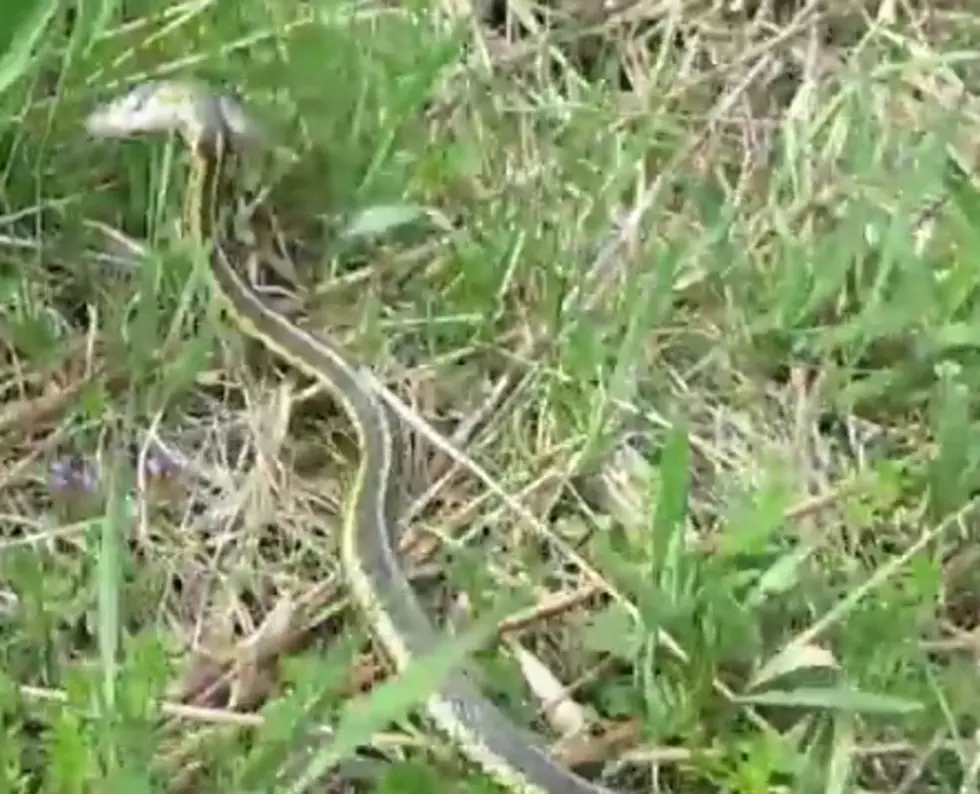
{"x": 201, "y": 115}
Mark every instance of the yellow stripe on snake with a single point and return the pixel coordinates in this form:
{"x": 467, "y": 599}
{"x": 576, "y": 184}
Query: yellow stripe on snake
{"x": 211, "y": 125}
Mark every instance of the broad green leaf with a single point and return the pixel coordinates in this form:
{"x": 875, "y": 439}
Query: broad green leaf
{"x": 666, "y": 536}
{"x": 833, "y": 699}
{"x": 379, "y": 220}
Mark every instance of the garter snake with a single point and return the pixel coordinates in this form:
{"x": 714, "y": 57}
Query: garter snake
{"x": 211, "y": 124}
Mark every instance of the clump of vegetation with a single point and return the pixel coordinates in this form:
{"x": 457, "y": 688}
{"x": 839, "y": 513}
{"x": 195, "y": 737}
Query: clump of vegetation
{"x": 677, "y": 305}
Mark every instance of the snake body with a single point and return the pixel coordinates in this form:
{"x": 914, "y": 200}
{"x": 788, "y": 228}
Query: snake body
{"x": 514, "y": 757}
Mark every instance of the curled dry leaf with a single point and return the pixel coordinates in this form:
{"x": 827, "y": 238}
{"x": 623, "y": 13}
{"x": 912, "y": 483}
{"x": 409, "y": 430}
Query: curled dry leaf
{"x": 275, "y": 629}
{"x": 202, "y": 681}
{"x": 792, "y": 658}
{"x": 565, "y": 716}
{"x": 256, "y": 671}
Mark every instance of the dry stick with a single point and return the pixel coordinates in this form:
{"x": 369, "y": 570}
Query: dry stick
{"x": 329, "y": 596}
{"x": 465, "y": 432}
{"x": 219, "y": 717}
{"x": 914, "y": 771}
{"x": 23, "y": 412}
{"x": 48, "y": 443}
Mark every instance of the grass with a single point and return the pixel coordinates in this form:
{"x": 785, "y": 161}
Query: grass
{"x": 694, "y": 292}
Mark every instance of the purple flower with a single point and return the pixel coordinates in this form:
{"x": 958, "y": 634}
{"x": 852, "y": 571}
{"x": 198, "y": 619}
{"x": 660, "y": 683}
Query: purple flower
{"x": 73, "y": 474}
{"x": 160, "y": 465}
